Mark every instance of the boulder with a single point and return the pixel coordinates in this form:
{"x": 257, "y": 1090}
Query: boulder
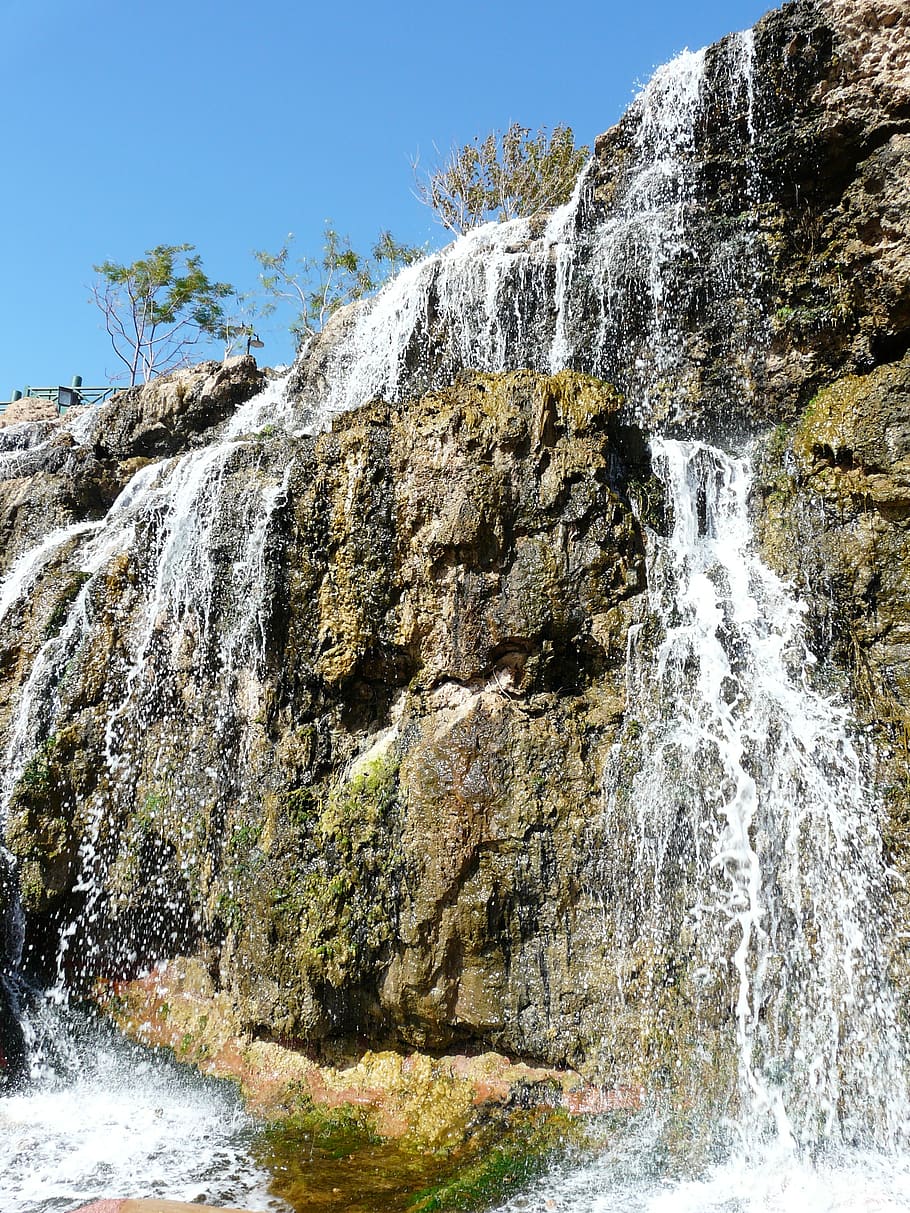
{"x": 27, "y": 408}
{"x": 171, "y": 412}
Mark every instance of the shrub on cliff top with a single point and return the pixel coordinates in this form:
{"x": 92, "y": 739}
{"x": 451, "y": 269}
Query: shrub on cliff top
{"x": 506, "y": 175}
{"x": 319, "y": 286}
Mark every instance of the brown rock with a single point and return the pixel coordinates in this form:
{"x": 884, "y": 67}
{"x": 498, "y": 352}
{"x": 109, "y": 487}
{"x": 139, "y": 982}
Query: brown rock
{"x": 27, "y": 408}
{"x": 169, "y": 413}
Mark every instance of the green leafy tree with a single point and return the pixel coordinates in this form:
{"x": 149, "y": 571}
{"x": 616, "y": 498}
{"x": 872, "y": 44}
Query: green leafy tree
{"x": 158, "y": 308}
{"x": 319, "y": 286}
{"x": 506, "y": 175}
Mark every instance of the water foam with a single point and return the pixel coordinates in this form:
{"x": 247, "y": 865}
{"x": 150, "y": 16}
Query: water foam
{"x": 104, "y": 1118}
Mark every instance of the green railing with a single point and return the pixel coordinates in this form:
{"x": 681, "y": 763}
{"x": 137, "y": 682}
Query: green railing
{"x": 65, "y": 398}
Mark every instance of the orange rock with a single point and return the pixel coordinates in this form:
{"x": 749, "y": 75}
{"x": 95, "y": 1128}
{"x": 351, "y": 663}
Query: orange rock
{"x": 590, "y": 1101}
{"x": 153, "y": 1206}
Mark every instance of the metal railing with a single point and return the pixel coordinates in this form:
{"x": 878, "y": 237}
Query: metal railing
{"x": 65, "y": 398}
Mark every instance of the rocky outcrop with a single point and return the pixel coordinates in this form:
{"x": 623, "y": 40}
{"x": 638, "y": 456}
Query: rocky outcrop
{"x": 832, "y": 501}
{"x": 50, "y": 480}
{"x": 378, "y": 819}
{"x": 426, "y": 1101}
{"x": 330, "y": 713}
{"x": 50, "y": 486}
{"x": 170, "y": 414}
{"x": 835, "y": 503}
{"x": 837, "y": 171}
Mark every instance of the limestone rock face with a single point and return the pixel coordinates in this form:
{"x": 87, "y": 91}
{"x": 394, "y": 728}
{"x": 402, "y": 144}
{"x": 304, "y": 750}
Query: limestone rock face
{"x": 331, "y": 712}
{"x": 837, "y": 167}
{"x": 832, "y": 501}
{"x": 165, "y": 415}
{"x": 462, "y": 576}
{"x": 51, "y": 485}
{"x": 374, "y": 810}
{"x": 48, "y": 480}
{"x": 835, "y": 504}
{"x": 872, "y": 48}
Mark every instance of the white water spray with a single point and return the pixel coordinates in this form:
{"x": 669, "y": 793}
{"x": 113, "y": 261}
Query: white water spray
{"x": 742, "y": 757}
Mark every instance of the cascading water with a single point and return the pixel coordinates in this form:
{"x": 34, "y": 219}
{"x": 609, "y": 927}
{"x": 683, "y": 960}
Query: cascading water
{"x": 756, "y": 844}
{"x": 139, "y": 1128}
{"x": 758, "y": 780}
{"x": 750, "y": 873}
{"x": 617, "y": 290}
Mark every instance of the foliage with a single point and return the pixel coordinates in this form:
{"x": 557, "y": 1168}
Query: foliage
{"x": 69, "y": 591}
{"x": 534, "y": 1142}
{"x": 506, "y": 175}
{"x": 319, "y": 286}
{"x": 36, "y": 775}
{"x": 336, "y": 896}
{"x": 158, "y": 307}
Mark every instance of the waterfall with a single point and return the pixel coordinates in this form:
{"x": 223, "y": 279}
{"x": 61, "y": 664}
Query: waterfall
{"x": 616, "y": 290}
{"x": 195, "y": 600}
{"x": 757, "y": 829}
{"x": 744, "y": 895}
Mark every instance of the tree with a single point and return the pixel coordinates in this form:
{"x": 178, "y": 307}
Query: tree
{"x": 507, "y": 175}
{"x": 157, "y": 308}
{"x": 317, "y": 287}
{"x": 237, "y": 328}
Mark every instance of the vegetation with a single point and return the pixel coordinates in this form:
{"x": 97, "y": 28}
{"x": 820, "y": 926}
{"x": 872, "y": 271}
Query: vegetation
{"x": 502, "y": 1170}
{"x": 318, "y": 286}
{"x": 36, "y": 775}
{"x": 157, "y": 308}
{"x": 505, "y": 1151}
{"x": 343, "y": 904}
{"x": 69, "y": 591}
{"x": 506, "y": 175}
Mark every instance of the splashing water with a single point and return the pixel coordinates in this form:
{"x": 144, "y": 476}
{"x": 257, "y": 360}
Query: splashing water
{"x": 758, "y": 859}
{"x": 633, "y": 1177}
{"x": 99, "y": 1117}
{"x": 783, "y": 824}
{"x": 103, "y": 1117}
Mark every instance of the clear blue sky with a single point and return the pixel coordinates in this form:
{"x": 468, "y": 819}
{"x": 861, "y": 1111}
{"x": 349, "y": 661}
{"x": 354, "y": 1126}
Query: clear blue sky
{"x": 131, "y": 123}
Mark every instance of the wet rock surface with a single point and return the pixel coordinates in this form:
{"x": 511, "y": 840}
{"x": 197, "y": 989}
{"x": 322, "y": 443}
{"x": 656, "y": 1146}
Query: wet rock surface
{"x": 343, "y": 741}
{"x": 836, "y": 169}
{"x": 835, "y": 503}
{"x": 373, "y": 821}
{"x": 429, "y": 1101}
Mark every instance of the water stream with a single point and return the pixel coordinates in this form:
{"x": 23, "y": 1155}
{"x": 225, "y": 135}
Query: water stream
{"x": 101, "y": 1116}
{"x": 758, "y": 843}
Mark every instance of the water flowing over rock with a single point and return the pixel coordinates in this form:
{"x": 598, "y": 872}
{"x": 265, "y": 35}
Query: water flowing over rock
{"x": 528, "y": 669}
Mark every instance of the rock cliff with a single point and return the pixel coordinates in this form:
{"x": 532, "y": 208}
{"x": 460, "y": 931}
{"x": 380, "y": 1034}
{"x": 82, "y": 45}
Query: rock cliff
{"x": 331, "y": 711}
